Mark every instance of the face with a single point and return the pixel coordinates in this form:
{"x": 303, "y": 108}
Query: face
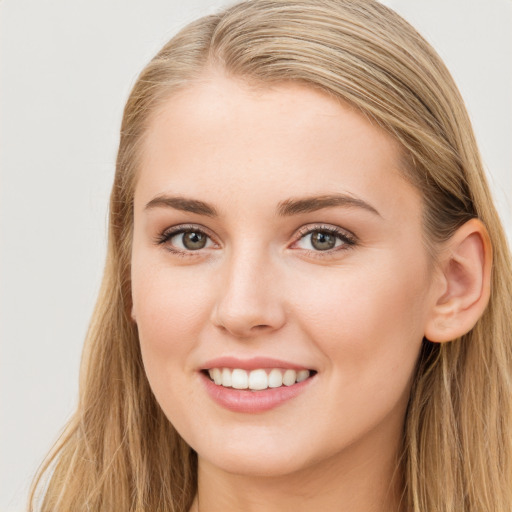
{"x": 275, "y": 238}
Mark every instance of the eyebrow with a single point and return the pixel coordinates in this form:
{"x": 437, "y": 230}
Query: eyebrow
{"x": 183, "y": 204}
{"x": 285, "y": 208}
{"x": 312, "y": 204}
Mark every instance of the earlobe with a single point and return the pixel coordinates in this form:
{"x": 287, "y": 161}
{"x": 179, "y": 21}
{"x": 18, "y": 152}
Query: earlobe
{"x": 465, "y": 265}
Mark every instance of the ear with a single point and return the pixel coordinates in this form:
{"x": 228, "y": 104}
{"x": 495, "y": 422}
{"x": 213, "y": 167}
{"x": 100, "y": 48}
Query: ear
{"x": 465, "y": 270}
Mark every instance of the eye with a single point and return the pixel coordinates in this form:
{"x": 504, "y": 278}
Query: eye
{"x": 191, "y": 240}
{"x": 183, "y": 239}
{"x": 324, "y": 239}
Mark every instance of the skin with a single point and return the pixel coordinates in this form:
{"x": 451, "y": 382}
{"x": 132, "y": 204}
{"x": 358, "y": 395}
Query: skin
{"x": 355, "y": 314}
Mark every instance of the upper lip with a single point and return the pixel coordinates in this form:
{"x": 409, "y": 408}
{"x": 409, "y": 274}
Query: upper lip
{"x": 253, "y": 363}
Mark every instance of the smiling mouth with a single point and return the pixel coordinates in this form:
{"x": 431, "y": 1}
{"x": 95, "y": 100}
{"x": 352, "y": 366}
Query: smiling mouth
{"x": 257, "y": 380}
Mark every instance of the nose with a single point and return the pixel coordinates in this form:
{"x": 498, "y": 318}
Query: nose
{"x": 249, "y": 300}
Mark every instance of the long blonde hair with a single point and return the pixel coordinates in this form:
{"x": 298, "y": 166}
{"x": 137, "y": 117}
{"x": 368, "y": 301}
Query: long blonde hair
{"x": 119, "y": 452}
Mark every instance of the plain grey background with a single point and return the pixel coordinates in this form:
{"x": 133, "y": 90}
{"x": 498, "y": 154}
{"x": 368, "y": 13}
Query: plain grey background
{"x": 65, "y": 72}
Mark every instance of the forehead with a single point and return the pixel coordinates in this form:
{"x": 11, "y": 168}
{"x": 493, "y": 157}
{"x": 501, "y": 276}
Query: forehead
{"x": 222, "y": 137}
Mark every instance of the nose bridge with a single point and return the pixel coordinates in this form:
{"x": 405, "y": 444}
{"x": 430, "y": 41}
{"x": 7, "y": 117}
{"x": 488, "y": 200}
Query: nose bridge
{"x": 248, "y": 299}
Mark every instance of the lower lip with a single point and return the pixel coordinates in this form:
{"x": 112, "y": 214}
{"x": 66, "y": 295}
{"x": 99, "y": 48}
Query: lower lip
{"x": 247, "y": 401}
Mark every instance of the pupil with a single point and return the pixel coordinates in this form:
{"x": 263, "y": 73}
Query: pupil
{"x": 322, "y": 241}
{"x": 194, "y": 240}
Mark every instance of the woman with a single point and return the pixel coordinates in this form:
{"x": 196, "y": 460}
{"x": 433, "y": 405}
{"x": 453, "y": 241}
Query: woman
{"x": 307, "y": 293}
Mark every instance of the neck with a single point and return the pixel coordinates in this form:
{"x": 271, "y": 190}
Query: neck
{"x": 357, "y": 482}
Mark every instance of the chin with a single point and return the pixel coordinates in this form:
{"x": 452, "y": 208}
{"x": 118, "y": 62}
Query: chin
{"x": 256, "y": 465}
{"x": 257, "y": 453}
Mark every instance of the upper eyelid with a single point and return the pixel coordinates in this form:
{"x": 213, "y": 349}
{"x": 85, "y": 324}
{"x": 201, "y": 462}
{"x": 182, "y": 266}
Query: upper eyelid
{"x": 304, "y": 230}
{"x": 298, "y": 233}
{"x": 181, "y": 228}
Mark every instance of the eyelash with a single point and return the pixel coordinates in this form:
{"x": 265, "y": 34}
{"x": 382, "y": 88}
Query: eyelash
{"x": 348, "y": 239}
{"x": 164, "y": 237}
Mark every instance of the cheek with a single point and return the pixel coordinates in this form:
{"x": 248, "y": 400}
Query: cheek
{"x": 367, "y": 320}
{"x": 168, "y": 306}
{"x": 170, "y": 309}
{"x": 369, "y": 328}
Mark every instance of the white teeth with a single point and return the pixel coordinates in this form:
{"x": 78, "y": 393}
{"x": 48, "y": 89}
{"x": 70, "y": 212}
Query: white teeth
{"x": 302, "y": 375}
{"x": 289, "y": 377}
{"x": 256, "y": 380}
{"x": 239, "y": 379}
{"x": 226, "y": 377}
{"x": 217, "y": 376}
{"x": 275, "y": 378}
